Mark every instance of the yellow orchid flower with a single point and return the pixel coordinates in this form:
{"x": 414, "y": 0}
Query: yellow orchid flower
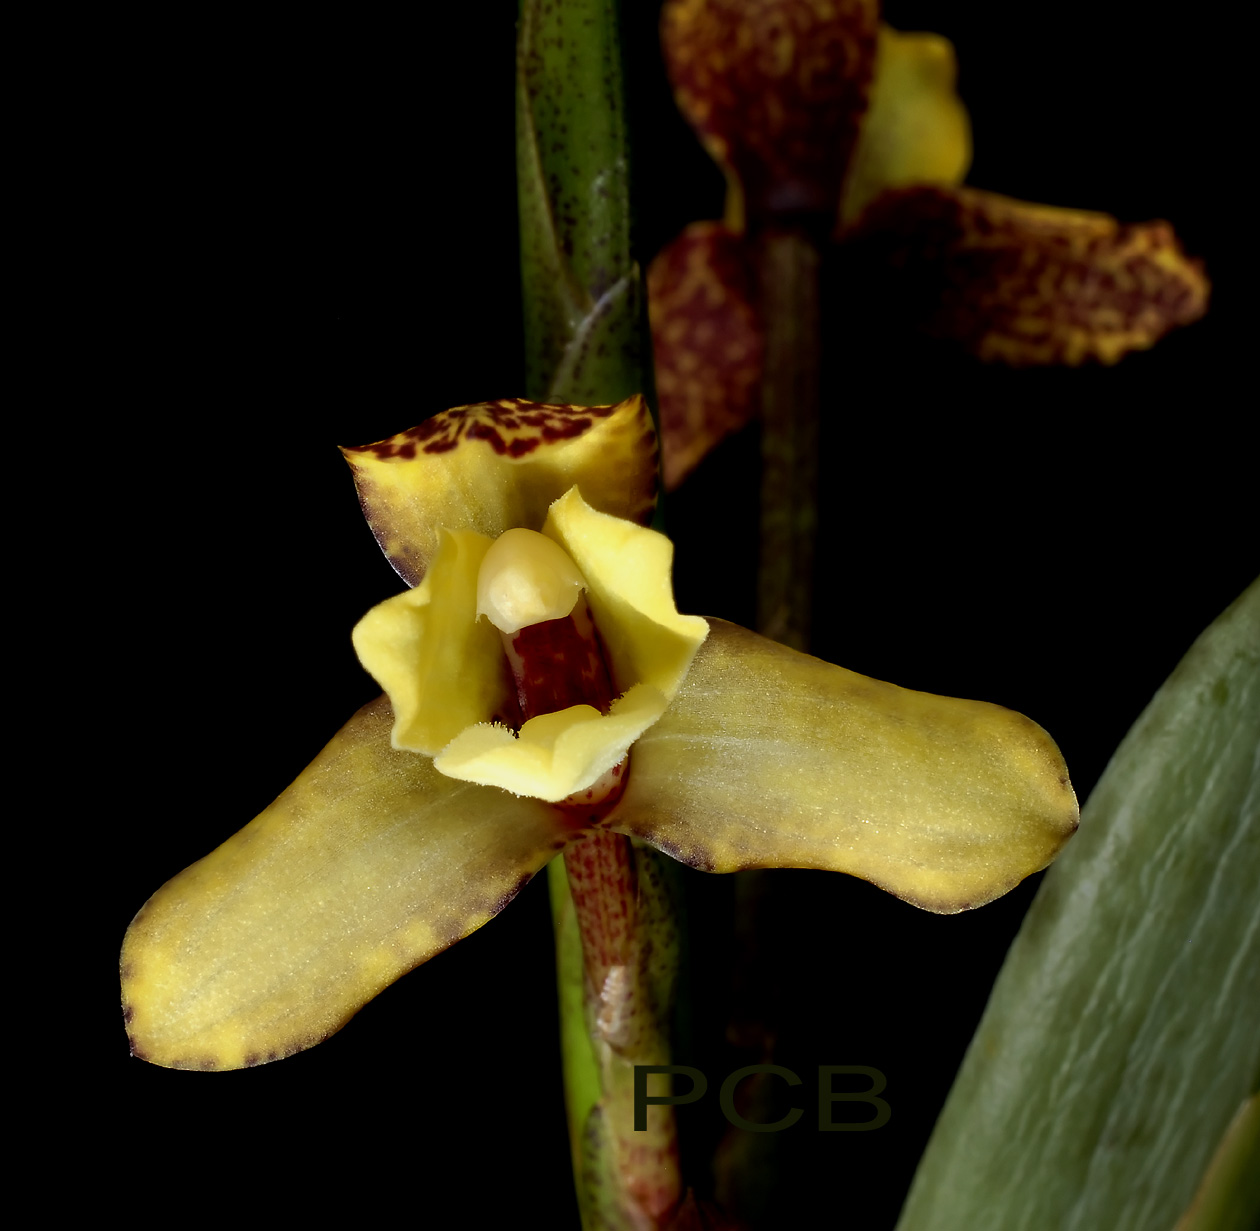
{"x": 823, "y": 118}
{"x": 428, "y": 811}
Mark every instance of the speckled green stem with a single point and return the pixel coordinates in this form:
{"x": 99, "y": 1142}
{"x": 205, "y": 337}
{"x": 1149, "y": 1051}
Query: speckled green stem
{"x": 585, "y": 343}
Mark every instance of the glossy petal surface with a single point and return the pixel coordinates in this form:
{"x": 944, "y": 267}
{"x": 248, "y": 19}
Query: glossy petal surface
{"x": 770, "y": 758}
{"x": 916, "y": 129}
{"x": 369, "y": 864}
{"x": 1027, "y": 284}
{"x": 708, "y": 341}
{"x": 495, "y": 465}
{"x": 776, "y": 90}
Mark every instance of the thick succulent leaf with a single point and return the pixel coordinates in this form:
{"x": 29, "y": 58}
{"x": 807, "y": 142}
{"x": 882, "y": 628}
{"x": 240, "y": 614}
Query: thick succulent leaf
{"x": 369, "y": 864}
{"x": 1024, "y": 284}
{"x": 776, "y": 91}
{"x": 1228, "y": 1198}
{"x": 916, "y": 129}
{"x": 708, "y": 340}
{"x": 496, "y": 465}
{"x": 771, "y": 758}
{"x": 1121, "y": 1035}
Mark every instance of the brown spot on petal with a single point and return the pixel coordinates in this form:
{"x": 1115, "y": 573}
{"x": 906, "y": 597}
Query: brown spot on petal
{"x": 776, "y": 91}
{"x": 455, "y": 471}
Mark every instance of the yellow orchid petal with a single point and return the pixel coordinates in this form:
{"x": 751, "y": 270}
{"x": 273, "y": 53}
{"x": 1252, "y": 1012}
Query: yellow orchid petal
{"x": 556, "y": 755}
{"x": 442, "y": 668}
{"x": 916, "y": 129}
{"x": 775, "y": 91}
{"x": 1022, "y": 283}
{"x": 628, "y": 572}
{"x": 445, "y": 671}
{"x": 496, "y": 465}
{"x": 708, "y": 343}
{"x": 770, "y": 758}
{"x": 369, "y": 864}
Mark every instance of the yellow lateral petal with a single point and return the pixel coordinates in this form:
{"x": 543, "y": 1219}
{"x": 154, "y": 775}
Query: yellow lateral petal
{"x": 916, "y": 129}
{"x": 629, "y": 577}
{"x": 369, "y": 864}
{"x": 497, "y": 465}
{"x": 649, "y": 647}
{"x": 770, "y": 758}
{"x": 442, "y": 668}
{"x": 1021, "y": 283}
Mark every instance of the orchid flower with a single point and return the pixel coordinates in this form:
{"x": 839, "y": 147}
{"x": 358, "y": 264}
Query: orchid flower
{"x": 435, "y": 804}
{"x": 823, "y": 118}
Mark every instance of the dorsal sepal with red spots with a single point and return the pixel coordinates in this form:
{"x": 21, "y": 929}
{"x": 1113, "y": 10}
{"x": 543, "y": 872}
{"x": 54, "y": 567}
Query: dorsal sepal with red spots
{"x": 493, "y": 466}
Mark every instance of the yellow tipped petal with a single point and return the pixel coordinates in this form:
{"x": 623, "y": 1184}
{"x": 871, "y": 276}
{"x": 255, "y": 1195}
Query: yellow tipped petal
{"x": 1026, "y": 284}
{"x": 442, "y": 668}
{"x": 628, "y": 574}
{"x": 770, "y": 758}
{"x": 556, "y": 755}
{"x": 916, "y": 129}
{"x": 369, "y": 864}
{"x": 497, "y": 465}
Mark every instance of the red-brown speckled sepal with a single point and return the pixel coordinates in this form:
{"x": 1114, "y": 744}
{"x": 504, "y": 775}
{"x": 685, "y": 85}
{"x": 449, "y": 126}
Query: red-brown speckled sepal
{"x": 708, "y": 341}
{"x": 497, "y": 465}
{"x": 776, "y": 89}
{"x": 1026, "y": 284}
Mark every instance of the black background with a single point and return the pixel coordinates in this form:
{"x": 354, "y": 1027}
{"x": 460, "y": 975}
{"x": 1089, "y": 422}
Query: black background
{"x": 298, "y": 234}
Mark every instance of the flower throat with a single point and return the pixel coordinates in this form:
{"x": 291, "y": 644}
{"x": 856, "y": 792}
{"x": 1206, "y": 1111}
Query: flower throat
{"x": 531, "y": 591}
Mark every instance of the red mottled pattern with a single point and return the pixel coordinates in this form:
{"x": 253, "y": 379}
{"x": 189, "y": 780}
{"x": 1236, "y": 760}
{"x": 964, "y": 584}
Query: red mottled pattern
{"x": 708, "y": 342}
{"x": 694, "y": 1215}
{"x": 512, "y": 427}
{"x": 414, "y": 484}
{"x": 776, "y": 89}
{"x": 558, "y": 663}
{"x": 603, "y": 884}
{"x": 1025, "y": 284}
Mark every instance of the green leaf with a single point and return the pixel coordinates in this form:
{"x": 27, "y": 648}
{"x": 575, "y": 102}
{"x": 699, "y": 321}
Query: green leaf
{"x": 1229, "y": 1197}
{"x": 1124, "y": 1029}
{"x": 583, "y": 303}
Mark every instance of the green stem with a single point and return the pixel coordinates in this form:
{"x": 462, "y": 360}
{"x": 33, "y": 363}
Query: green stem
{"x": 615, "y": 908}
{"x": 788, "y": 261}
{"x": 622, "y": 905}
